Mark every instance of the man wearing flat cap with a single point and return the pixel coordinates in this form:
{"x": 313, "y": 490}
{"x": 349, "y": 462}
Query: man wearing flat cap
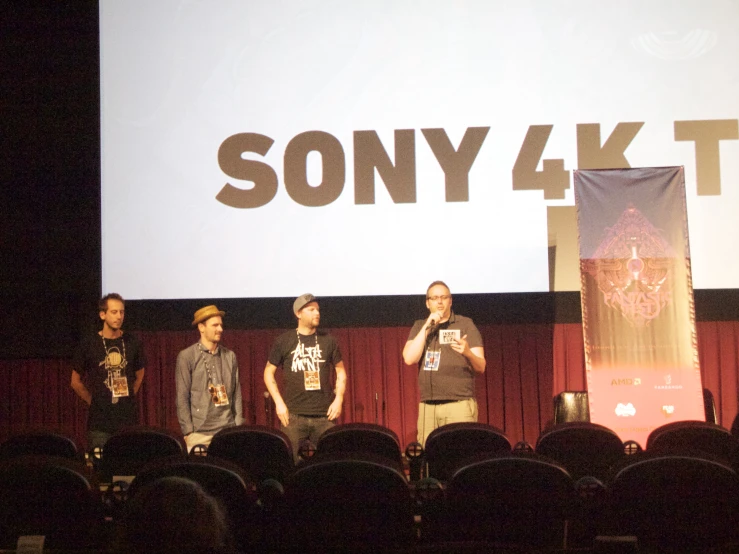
{"x": 208, "y": 387}
{"x": 309, "y": 358}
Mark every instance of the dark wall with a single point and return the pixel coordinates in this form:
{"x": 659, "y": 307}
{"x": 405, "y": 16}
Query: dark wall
{"x": 50, "y": 206}
{"x": 49, "y": 176}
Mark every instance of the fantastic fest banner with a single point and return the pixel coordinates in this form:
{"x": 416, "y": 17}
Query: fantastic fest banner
{"x": 641, "y": 349}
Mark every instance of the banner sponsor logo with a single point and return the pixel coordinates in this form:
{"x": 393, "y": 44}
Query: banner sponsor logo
{"x": 625, "y": 410}
{"x": 668, "y": 384}
{"x": 641, "y": 430}
{"x": 668, "y": 410}
{"x": 628, "y": 382}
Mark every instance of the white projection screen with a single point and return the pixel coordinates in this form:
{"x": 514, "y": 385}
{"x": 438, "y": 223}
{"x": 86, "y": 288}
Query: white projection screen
{"x": 263, "y": 148}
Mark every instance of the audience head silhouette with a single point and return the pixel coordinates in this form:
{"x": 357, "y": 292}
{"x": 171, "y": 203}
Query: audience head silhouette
{"x": 174, "y": 514}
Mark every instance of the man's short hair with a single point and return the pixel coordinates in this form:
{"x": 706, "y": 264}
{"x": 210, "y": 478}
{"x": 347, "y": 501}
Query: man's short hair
{"x": 432, "y": 285}
{"x": 103, "y": 304}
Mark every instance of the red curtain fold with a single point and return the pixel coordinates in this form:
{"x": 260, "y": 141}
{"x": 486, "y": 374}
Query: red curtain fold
{"x": 526, "y": 366}
{"x": 717, "y": 350}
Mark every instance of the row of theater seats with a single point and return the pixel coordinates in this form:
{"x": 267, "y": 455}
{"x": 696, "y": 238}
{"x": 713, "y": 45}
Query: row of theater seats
{"x": 474, "y": 489}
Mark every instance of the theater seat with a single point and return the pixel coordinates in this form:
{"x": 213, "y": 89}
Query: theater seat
{"x": 689, "y": 437}
{"x": 520, "y": 499}
{"x": 45, "y": 443}
{"x": 49, "y": 496}
{"x": 347, "y": 503}
{"x": 675, "y": 503}
{"x": 223, "y": 480}
{"x": 361, "y": 438}
{"x": 584, "y": 448}
{"x": 261, "y": 451}
{"x": 128, "y": 450}
{"x": 451, "y": 445}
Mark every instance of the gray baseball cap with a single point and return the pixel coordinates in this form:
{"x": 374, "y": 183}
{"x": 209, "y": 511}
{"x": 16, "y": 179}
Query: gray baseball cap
{"x": 302, "y": 300}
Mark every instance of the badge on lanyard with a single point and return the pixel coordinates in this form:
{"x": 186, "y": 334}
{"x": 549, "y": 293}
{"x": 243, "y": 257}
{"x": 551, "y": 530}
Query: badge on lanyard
{"x": 115, "y": 362}
{"x": 218, "y": 395}
{"x": 120, "y": 387}
{"x": 312, "y": 380}
{"x": 431, "y": 362}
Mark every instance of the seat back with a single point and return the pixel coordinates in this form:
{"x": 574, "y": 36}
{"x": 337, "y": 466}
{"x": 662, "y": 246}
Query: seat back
{"x": 689, "y": 437}
{"x": 583, "y": 448}
{"x": 676, "y": 503}
{"x": 451, "y": 445}
{"x": 735, "y": 426}
{"x": 128, "y": 450}
{"x": 44, "y": 443}
{"x": 262, "y": 452}
{"x": 519, "y": 499}
{"x": 361, "y": 438}
{"x": 222, "y": 479}
{"x": 50, "y": 496}
{"x": 354, "y": 502}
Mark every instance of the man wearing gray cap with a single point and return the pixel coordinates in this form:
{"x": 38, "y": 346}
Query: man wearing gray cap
{"x": 310, "y": 404}
{"x": 207, "y": 378}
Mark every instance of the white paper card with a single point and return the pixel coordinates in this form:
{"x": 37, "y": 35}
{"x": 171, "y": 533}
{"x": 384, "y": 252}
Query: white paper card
{"x": 448, "y": 336}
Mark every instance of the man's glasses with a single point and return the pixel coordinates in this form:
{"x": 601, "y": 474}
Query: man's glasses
{"x": 437, "y": 298}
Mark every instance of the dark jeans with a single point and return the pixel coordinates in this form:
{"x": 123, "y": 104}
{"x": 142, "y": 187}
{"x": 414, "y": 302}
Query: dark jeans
{"x": 97, "y": 438}
{"x": 302, "y": 428}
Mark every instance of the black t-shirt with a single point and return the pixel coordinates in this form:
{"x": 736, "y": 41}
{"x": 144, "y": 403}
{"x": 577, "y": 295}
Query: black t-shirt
{"x": 102, "y": 364}
{"x": 308, "y": 362}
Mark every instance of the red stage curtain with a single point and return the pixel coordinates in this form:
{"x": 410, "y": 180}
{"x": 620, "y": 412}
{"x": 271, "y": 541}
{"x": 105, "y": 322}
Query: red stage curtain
{"x": 526, "y": 366}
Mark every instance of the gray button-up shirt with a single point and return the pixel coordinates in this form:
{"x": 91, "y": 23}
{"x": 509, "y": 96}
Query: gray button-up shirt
{"x": 195, "y": 408}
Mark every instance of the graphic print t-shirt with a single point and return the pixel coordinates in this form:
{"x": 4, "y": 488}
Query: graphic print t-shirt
{"x": 99, "y": 366}
{"x": 308, "y": 353}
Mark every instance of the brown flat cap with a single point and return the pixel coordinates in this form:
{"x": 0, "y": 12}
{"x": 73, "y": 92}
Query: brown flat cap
{"x": 205, "y": 313}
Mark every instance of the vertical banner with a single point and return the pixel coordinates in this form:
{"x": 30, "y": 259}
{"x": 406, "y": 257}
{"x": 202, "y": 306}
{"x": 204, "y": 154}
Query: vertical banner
{"x": 641, "y": 350}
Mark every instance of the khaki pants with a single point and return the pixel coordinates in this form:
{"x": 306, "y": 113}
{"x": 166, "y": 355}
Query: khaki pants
{"x": 431, "y": 416}
{"x": 198, "y": 438}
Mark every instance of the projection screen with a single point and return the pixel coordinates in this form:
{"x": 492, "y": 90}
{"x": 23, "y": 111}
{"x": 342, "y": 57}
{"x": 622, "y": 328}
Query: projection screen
{"x": 265, "y": 148}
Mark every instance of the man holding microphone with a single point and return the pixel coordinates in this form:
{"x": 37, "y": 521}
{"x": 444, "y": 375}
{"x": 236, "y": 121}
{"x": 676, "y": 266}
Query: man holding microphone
{"x": 448, "y": 350}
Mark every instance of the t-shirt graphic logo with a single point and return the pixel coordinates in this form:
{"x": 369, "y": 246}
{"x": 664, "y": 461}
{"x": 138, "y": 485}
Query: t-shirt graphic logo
{"x": 307, "y": 358}
{"x": 115, "y": 363}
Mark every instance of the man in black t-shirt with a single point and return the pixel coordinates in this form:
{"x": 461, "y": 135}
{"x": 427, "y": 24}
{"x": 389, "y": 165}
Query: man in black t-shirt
{"x": 308, "y": 358}
{"x": 109, "y": 370}
{"x": 449, "y": 352}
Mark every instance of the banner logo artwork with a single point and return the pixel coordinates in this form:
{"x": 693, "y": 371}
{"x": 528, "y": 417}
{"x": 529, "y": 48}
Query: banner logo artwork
{"x": 632, "y": 266}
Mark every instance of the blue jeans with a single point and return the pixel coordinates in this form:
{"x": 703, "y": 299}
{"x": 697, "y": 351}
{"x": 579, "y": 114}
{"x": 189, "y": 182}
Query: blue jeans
{"x": 301, "y": 428}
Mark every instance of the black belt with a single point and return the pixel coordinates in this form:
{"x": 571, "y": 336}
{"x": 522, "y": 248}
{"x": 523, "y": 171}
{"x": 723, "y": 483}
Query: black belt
{"x": 439, "y": 402}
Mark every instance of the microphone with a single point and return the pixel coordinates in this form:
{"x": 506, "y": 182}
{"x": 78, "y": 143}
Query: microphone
{"x": 267, "y": 408}
{"x": 435, "y": 323}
